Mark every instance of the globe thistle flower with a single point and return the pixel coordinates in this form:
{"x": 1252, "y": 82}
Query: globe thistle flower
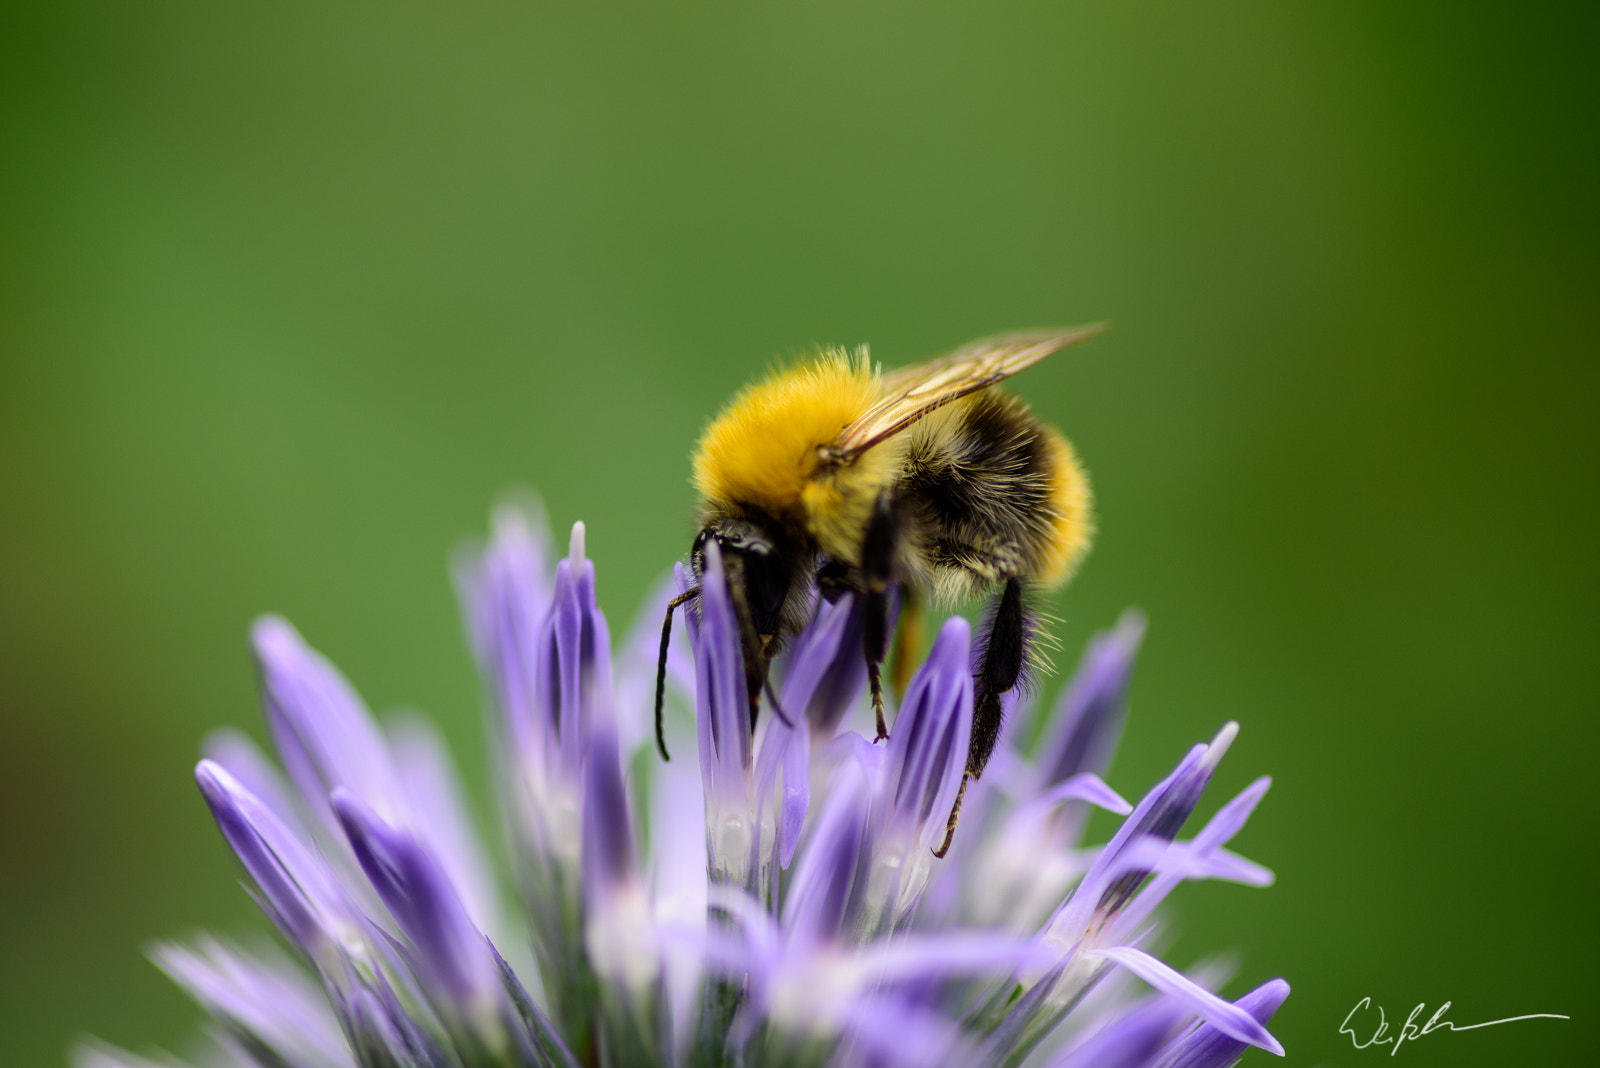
{"x": 775, "y": 901}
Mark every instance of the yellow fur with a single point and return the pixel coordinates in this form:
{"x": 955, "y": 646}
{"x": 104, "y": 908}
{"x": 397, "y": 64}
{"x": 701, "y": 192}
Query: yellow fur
{"x": 1073, "y": 525}
{"x": 838, "y": 506}
{"x": 761, "y": 451}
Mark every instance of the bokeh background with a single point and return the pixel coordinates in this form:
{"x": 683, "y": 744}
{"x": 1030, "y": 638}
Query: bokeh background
{"x": 292, "y": 292}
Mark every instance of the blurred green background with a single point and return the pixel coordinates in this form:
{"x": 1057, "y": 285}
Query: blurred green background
{"x": 292, "y": 292}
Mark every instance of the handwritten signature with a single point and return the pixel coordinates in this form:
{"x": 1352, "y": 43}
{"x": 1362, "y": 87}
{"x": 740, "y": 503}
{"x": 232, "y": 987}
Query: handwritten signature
{"x": 1412, "y": 1030}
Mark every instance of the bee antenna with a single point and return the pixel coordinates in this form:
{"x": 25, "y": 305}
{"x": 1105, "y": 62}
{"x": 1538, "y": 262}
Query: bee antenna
{"x": 661, "y": 666}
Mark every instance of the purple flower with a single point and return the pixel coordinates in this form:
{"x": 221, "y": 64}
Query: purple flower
{"x": 1206, "y": 1046}
{"x": 446, "y": 952}
{"x": 777, "y": 901}
{"x": 928, "y": 752}
{"x": 1094, "y": 704}
{"x": 726, "y": 744}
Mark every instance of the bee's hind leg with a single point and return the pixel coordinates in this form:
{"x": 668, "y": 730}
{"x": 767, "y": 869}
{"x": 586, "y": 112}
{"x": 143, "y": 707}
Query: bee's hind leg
{"x": 877, "y": 571}
{"x": 1002, "y": 653}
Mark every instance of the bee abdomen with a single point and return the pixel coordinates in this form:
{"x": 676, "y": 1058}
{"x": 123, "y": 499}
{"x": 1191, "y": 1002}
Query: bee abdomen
{"x": 984, "y": 488}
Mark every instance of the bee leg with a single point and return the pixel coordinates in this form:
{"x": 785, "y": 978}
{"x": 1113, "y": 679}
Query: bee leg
{"x": 955, "y": 814}
{"x": 661, "y": 665}
{"x": 875, "y": 684}
{"x": 1003, "y": 649}
{"x": 877, "y": 569}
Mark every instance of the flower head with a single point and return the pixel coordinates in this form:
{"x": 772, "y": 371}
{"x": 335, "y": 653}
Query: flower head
{"x": 781, "y": 900}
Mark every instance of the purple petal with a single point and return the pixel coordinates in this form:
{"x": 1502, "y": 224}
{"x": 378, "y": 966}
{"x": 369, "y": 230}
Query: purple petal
{"x": 297, "y": 889}
{"x": 506, "y": 596}
{"x": 1160, "y": 814}
{"x": 452, "y": 956}
{"x": 373, "y": 1031}
{"x": 724, "y": 954}
{"x": 1174, "y": 862}
{"x": 919, "y": 956}
{"x": 441, "y": 815}
{"x": 263, "y": 996}
{"x": 928, "y": 751}
{"x": 894, "y": 1031}
{"x": 1231, "y": 867}
{"x": 1209, "y": 1047}
{"x": 1206, "y": 857}
{"x": 1235, "y": 1022}
{"x": 796, "y": 790}
{"x": 572, "y": 672}
{"x": 323, "y": 731}
{"x": 1093, "y": 706}
{"x": 723, "y": 719}
{"x": 826, "y": 671}
{"x": 95, "y": 1054}
{"x": 821, "y": 892}
{"x": 253, "y": 770}
{"x": 677, "y": 831}
{"x": 1086, "y": 787}
{"x": 607, "y": 846}
{"x": 1230, "y": 818}
{"x": 783, "y": 755}
{"x": 760, "y": 933}
{"x": 1128, "y": 1042}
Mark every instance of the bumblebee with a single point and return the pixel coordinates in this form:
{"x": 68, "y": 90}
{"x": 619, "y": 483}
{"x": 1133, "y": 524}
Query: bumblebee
{"x": 834, "y": 476}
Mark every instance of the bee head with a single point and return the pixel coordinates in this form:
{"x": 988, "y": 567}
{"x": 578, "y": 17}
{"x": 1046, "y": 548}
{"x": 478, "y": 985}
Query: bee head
{"x": 768, "y": 571}
{"x": 759, "y": 570}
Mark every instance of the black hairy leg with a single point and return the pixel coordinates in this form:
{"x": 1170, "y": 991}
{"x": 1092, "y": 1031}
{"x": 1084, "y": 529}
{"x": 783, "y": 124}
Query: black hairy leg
{"x": 877, "y": 571}
{"x": 661, "y": 664}
{"x": 1002, "y": 656}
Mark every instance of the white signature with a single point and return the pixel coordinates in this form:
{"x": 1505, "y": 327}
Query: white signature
{"x": 1412, "y": 1030}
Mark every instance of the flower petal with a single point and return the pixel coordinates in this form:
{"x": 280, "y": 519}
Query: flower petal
{"x": 1235, "y": 1022}
{"x": 826, "y": 671}
{"x": 607, "y": 850}
{"x": 723, "y": 716}
{"x": 928, "y": 750}
{"x": 1128, "y": 1042}
{"x": 299, "y": 892}
{"x": 452, "y": 956}
{"x": 323, "y": 731}
{"x": 261, "y": 995}
{"x": 505, "y": 594}
{"x": 1094, "y": 705}
{"x": 440, "y": 808}
{"x": 1209, "y": 1047}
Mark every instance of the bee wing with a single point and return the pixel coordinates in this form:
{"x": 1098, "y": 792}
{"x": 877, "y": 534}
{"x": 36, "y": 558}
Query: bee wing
{"x": 912, "y": 392}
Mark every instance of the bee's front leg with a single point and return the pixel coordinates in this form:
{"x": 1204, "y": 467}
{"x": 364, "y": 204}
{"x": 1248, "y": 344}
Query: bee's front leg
{"x": 877, "y": 572}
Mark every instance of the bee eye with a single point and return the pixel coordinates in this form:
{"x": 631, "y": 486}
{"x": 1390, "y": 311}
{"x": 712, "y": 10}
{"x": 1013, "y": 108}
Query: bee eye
{"x": 697, "y": 553}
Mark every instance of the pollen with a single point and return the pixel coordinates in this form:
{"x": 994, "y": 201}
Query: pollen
{"x": 763, "y": 448}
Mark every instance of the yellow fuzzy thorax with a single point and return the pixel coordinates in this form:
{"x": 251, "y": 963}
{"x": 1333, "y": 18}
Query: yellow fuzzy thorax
{"x": 761, "y": 451}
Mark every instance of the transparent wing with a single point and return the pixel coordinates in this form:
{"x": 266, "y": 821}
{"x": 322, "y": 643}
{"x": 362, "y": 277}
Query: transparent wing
{"x": 912, "y": 392}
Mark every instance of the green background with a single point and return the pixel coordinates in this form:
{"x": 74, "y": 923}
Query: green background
{"x": 289, "y": 295}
